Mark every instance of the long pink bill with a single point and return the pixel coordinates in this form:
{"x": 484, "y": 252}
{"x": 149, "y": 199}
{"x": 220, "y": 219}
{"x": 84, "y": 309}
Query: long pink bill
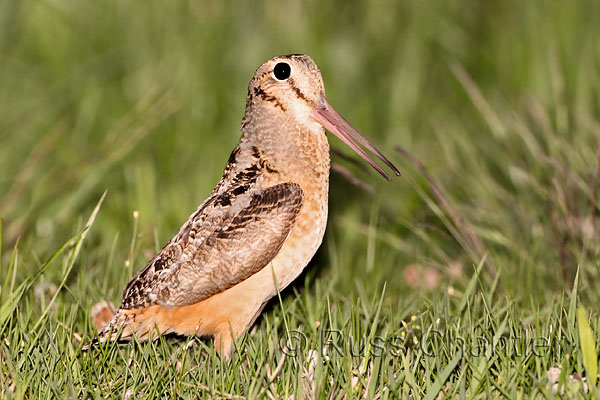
{"x": 336, "y": 124}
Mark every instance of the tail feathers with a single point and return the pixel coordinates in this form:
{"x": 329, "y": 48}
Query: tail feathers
{"x": 125, "y": 323}
{"x": 115, "y": 329}
{"x": 116, "y": 323}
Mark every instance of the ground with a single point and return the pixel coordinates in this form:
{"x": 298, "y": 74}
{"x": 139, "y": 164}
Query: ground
{"x": 473, "y": 275}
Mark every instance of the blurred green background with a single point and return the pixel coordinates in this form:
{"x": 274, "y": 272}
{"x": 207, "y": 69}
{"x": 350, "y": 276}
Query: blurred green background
{"x": 499, "y": 100}
{"x": 497, "y": 108}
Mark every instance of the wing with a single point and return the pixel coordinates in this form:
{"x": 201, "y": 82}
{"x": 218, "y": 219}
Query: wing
{"x": 230, "y": 238}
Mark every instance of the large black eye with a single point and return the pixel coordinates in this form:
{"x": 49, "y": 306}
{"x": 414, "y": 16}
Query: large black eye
{"x": 282, "y": 71}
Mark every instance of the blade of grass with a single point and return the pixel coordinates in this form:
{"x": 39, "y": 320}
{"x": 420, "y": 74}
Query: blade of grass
{"x": 373, "y": 330}
{"x": 71, "y": 261}
{"x": 573, "y": 300}
{"x": 471, "y": 286}
{"x": 588, "y": 346}
{"x": 8, "y": 307}
{"x": 436, "y": 388}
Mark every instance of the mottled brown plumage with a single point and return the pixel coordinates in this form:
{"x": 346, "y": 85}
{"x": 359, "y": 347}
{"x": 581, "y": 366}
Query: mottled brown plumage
{"x": 260, "y": 226}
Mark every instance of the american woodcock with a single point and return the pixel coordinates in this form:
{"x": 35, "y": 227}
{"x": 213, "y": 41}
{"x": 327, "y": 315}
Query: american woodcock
{"x": 261, "y": 224}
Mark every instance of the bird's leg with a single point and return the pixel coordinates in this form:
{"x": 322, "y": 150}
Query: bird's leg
{"x": 223, "y": 342}
{"x": 226, "y": 335}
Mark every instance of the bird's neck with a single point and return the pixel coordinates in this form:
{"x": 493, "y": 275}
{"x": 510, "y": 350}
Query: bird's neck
{"x": 296, "y": 150}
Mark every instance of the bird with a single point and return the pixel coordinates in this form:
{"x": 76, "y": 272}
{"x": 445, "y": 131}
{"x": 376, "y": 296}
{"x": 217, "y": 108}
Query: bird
{"x": 259, "y": 227}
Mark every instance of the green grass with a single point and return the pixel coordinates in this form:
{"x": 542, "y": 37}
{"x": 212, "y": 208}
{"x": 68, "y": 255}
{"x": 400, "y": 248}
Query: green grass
{"x": 489, "y": 241}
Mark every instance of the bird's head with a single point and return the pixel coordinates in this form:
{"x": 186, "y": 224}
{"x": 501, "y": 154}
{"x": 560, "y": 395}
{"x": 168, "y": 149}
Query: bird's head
{"x": 293, "y": 85}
